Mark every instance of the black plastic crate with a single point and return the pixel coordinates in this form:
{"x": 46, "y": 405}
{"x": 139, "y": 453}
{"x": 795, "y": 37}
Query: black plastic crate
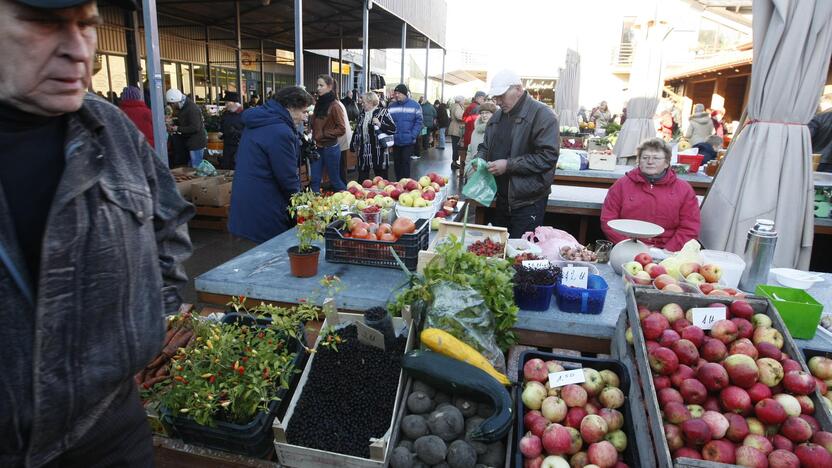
{"x": 340, "y": 249}
{"x": 254, "y": 439}
{"x": 630, "y": 454}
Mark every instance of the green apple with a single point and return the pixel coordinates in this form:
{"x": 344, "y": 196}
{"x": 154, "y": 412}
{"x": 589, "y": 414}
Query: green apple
{"x": 424, "y": 181}
{"x": 419, "y": 202}
{"x": 406, "y": 199}
{"x": 434, "y": 223}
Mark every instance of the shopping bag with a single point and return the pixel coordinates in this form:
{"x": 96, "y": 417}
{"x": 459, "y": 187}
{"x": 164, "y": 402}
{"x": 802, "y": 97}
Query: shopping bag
{"x": 550, "y": 241}
{"x": 481, "y": 186}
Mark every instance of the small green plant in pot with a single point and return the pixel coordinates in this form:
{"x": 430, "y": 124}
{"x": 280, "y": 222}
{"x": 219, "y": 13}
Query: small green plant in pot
{"x": 313, "y": 213}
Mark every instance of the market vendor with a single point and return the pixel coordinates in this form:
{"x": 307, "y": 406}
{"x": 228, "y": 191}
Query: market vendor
{"x": 651, "y": 192}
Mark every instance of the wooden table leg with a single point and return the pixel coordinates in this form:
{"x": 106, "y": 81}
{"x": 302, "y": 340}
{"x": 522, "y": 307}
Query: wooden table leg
{"x": 582, "y": 230}
{"x": 479, "y": 215}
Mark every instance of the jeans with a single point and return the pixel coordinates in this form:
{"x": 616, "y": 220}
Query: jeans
{"x": 442, "y": 138}
{"x": 401, "y": 159}
{"x": 196, "y": 156}
{"x": 454, "y": 147}
{"x": 331, "y": 159}
{"x": 519, "y": 220}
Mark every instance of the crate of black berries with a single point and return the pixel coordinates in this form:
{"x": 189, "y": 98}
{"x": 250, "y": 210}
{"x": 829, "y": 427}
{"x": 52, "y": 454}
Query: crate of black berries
{"x": 343, "y": 411}
{"x": 535, "y": 280}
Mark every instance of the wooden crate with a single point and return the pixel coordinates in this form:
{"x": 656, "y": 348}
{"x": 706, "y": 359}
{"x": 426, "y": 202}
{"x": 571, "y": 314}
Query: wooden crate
{"x": 652, "y": 299}
{"x": 380, "y": 449}
{"x": 473, "y": 233}
{"x": 213, "y": 218}
{"x": 601, "y": 161}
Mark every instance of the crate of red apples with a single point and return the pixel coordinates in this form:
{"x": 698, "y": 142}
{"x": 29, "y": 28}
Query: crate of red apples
{"x": 573, "y": 411}
{"x": 689, "y": 277}
{"x": 724, "y": 382}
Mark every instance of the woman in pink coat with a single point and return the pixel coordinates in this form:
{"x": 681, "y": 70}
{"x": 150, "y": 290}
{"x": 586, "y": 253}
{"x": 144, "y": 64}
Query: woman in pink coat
{"x": 652, "y": 192}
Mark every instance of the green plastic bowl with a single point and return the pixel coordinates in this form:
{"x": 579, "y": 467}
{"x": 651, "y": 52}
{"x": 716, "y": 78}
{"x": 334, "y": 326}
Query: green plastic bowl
{"x": 799, "y": 311}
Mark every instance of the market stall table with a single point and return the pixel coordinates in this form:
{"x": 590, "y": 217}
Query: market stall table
{"x": 604, "y": 179}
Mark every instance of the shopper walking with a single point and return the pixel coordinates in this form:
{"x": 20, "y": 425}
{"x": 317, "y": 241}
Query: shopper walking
{"x": 92, "y": 240}
{"x": 456, "y": 129}
{"x": 328, "y": 124}
{"x": 190, "y": 124}
{"x": 344, "y": 140}
{"x": 601, "y": 115}
{"x": 267, "y": 166}
{"x": 472, "y": 112}
{"x": 487, "y": 110}
{"x": 443, "y": 121}
{"x": 700, "y": 126}
{"x": 407, "y": 114}
{"x": 231, "y": 125}
{"x": 428, "y": 122}
{"x": 132, "y": 104}
{"x": 369, "y": 141}
{"x": 521, "y": 147}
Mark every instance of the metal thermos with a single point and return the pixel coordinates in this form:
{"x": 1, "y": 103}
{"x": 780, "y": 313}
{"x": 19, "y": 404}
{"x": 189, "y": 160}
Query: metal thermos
{"x": 759, "y": 252}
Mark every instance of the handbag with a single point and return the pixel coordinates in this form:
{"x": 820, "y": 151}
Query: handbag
{"x": 384, "y": 139}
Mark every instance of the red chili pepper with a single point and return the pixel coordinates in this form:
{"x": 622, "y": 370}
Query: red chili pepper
{"x": 266, "y": 373}
{"x": 245, "y": 359}
{"x": 261, "y": 335}
{"x": 241, "y": 370}
{"x": 211, "y": 379}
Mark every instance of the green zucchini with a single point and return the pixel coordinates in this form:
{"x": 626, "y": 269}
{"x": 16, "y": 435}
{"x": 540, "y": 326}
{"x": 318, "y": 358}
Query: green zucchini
{"x": 453, "y": 376}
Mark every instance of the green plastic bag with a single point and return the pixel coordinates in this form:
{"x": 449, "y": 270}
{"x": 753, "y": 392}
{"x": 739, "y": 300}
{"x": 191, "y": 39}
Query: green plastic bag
{"x": 481, "y": 186}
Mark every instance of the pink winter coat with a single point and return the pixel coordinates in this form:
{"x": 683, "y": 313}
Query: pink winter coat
{"x": 671, "y": 203}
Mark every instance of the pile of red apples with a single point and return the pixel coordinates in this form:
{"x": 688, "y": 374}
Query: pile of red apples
{"x": 573, "y": 425}
{"x": 644, "y": 271}
{"x": 730, "y": 394}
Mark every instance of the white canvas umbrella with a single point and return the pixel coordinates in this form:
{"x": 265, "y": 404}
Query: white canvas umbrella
{"x": 768, "y": 171}
{"x": 566, "y": 103}
{"x": 645, "y": 87}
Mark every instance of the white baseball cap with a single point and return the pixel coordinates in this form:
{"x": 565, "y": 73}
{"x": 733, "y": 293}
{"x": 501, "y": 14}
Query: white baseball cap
{"x": 503, "y": 80}
{"x": 174, "y": 96}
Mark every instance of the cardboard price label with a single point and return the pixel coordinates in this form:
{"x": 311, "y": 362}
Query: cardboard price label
{"x": 536, "y": 264}
{"x": 559, "y": 379}
{"x": 575, "y": 277}
{"x": 369, "y": 336}
{"x": 706, "y": 317}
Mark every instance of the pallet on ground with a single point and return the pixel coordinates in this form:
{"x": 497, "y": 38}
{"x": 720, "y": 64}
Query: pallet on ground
{"x": 214, "y": 218}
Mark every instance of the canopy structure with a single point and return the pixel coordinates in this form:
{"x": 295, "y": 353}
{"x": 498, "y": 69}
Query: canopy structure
{"x": 768, "y": 171}
{"x": 566, "y": 93}
{"x": 645, "y": 87}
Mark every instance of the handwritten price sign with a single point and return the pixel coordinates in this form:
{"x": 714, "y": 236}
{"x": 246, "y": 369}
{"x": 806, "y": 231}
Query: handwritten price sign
{"x": 706, "y": 317}
{"x": 575, "y": 277}
{"x": 536, "y": 264}
{"x": 369, "y": 336}
{"x": 559, "y": 379}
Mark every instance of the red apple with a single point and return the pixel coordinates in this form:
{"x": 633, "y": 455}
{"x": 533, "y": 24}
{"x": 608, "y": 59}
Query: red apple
{"x": 668, "y": 337}
{"x": 796, "y": 429}
{"x": 770, "y": 351}
{"x": 693, "y": 334}
{"x": 759, "y": 392}
{"x": 536, "y": 462}
{"x": 724, "y": 331}
{"x": 661, "y": 381}
{"x": 790, "y": 364}
{"x": 780, "y": 442}
{"x": 664, "y": 361}
{"x": 663, "y": 280}
{"x": 759, "y": 442}
{"x": 813, "y": 423}
{"x": 712, "y": 404}
{"x": 742, "y": 370}
{"x": 707, "y": 288}
{"x": 813, "y": 455}
{"x": 713, "y": 350}
{"x": 719, "y": 292}
{"x": 737, "y": 427}
{"x": 751, "y": 457}
{"x": 713, "y": 376}
{"x": 574, "y": 416}
{"x": 767, "y": 335}
{"x": 673, "y": 312}
{"x": 577, "y": 441}
{"x": 696, "y": 432}
{"x": 644, "y": 258}
{"x": 720, "y": 451}
{"x": 613, "y": 418}
{"x": 593, "y": 382}
{"x": 651, "y": 345}
{"x": 531, "y": 416}
{"x": 741, "y": 309}
{"x": 717, "y": 422}
{"x": 680, "y": 325}
{"x": 769, "y": 411}
{"x": 602, "y": 454}
{"x": 683, "y": 373}
{"x": 790, "y": 403}
{"x": 593, "y": 428}
{"x": 653, "y": 326}
{"x": 823, "y": 439}
{"x": 686, "y": 269}
{"x": 743, "y": 346}
{"x": 367, "y": 183}
{"x": 799, "y": 382}
{"x": 668, "y": 395}
{"x": 686, "y": 352}
{"x": 556, "y": 439}
{"x": 693, "y": 392}
{"x": 611, "y": 397}
{"x": 673, "y": 435}
{"x": 711, "y": 272}
{"x": 535, "y": 370}
{"x": 573, "y": 395}
{"x": 676, "y": 413}
{"x": 643, "y": 312}
{"x": 822, "y": 387}
{"x": 687, "y": 452}
{"x": 735, "y": 400}
{"x": 553, "y": 409}
{"x": 673, "y": 288}
{"x": 655, "y": 270}
{"x": 538, "y": 426}
{"x": 744, "y": 330}
{"x": 783, "y": 459}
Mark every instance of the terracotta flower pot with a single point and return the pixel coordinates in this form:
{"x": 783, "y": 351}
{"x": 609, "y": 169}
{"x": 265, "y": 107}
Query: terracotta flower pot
{"x": 303, "y": 265}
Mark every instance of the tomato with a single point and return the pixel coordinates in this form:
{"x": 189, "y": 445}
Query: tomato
{"x": 353, "y": 222}
{"x": 403, "y": 226}
{"x": 384, "y": 228}
{"x": 360, "y": 233}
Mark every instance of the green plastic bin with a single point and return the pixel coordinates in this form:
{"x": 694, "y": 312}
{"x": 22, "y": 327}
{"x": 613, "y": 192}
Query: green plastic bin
{"x": 800, "y": 311}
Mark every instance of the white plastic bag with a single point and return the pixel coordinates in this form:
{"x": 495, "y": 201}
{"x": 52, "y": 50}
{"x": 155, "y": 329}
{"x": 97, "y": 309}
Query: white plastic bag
{"x": 550, "y": 240}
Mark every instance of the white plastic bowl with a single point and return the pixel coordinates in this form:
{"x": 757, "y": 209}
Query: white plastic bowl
{"x": 794, "y": 278}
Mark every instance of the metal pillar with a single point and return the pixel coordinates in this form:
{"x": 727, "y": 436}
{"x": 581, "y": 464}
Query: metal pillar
{"x": 239, "y": 53}
{"x": 427, "y": 63}
{"x": 442, "y": 86}
{"x": 154, "y": 76}
{"x": 404, "y": 48}
{"x": 341, "y": 58}
{"x": 299, "y": 43}
{"x": 262, "y": 74}
{"x": 365, "y": 21}
{"x": 132, "y": 40}
{"x": 208, "y": 82}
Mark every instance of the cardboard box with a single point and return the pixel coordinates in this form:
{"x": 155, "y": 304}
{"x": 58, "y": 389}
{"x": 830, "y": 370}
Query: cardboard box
{"x": 184, "y": 177}
{"x": 211, "y": 191}
{"x": 473, "y": 233}
{"x": 602, "y": 161}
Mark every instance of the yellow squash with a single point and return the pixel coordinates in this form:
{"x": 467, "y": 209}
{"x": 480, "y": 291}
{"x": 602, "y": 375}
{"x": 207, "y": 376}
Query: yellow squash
{"x": 443, "y": 342}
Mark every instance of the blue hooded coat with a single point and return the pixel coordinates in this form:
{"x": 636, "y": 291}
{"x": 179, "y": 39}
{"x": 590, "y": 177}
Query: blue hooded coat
{"x": 266, "y": 175}
{"x": 408, "y": 118}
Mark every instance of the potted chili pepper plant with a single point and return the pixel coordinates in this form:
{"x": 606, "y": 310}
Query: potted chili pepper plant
{"x": 313, "y": 213}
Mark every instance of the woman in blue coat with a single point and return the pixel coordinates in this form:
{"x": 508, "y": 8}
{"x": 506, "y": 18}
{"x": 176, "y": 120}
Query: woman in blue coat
{"x": 267, "y": 166}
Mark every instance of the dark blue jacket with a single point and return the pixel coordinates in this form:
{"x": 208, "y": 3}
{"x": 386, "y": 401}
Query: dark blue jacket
{"x": 266, "y": 174}
{"x": 408, "y": 118}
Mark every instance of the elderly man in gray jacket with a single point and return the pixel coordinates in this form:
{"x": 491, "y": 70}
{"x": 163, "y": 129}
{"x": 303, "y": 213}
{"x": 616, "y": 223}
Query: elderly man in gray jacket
{"x": 521, "y": 147}
{"x": 92, "y": 239}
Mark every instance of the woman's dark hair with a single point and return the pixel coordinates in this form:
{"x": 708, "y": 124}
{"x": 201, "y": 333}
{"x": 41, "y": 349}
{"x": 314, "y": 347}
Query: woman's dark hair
{"x": 656, "y": 144}
{"x": 330, "y": 81}
{"x": 293, "y": 97}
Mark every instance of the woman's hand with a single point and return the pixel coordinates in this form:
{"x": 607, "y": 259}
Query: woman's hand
{"x": 376, "y": 121}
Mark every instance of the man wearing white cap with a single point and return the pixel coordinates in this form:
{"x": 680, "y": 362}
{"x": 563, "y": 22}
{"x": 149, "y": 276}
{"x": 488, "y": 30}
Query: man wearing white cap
{"x": 521, "y": 147}
{"x": 93, "y": 234}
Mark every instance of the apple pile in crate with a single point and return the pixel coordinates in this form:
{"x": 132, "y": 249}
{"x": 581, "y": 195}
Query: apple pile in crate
{"x": 385, "y": 193}
{"x": 730, "y": 394}
{"x": 821, "y": 368}
{"x": 577, "y": 424}
{"x": 644, "y": 271}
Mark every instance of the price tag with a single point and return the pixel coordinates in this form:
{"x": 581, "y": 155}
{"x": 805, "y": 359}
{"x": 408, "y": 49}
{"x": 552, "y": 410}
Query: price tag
{"x": 407, "y": 315}
{"x": 536, "y": 264}
{"x": 331, "y": 312}
{"x": 575, "y": 277}
{"x": 706, "y": 317}
{"x": 369, "y": 336}
{"x": 559, "y": 379}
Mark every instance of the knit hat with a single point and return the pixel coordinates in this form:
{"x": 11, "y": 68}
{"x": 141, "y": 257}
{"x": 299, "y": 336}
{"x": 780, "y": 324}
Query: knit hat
{"x": 698, "y": 108}
{"x": 131, "y": 93}
{"x": 401, "y": 88}
{"x": 232, "y": 96}
{"x": 479, "y": 94}
{"x": 488, "y": 107}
